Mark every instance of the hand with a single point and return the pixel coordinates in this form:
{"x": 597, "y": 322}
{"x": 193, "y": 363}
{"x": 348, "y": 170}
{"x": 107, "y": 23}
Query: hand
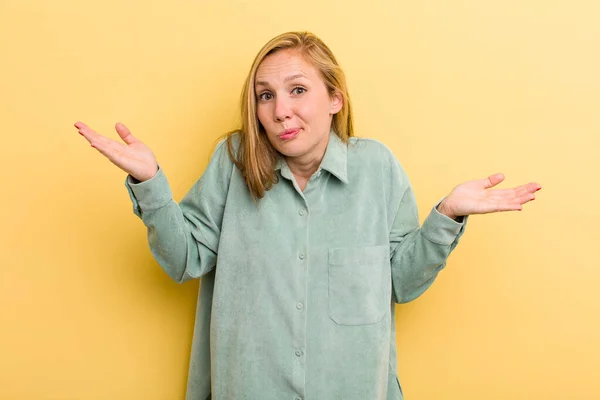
{"x": 477, "y": 197}
{"x": 133, "y": 156}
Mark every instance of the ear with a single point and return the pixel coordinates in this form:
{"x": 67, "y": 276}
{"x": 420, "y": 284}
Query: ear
{"x": 336, "y": 102}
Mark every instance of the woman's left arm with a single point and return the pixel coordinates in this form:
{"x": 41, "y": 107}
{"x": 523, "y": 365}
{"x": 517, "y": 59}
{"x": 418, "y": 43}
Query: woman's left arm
{"x": 419, "y": 253}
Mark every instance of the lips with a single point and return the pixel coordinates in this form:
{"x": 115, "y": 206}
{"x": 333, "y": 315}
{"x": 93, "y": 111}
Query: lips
{"x": 289, "y": 134}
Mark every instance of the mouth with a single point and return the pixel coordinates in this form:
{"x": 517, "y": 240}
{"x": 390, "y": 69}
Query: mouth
{"x": 289, "y": 134}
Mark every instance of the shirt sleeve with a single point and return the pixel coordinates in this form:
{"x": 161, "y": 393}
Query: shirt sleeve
{"x": 184, "y": 237}
{"x": 418, "y": 253}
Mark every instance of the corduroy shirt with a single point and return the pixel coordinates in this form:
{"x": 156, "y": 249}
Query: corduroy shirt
{"x": 298, "y": 288}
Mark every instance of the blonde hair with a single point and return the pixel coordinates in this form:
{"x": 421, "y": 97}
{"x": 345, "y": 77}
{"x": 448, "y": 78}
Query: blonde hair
{"x": 256, "y": 157}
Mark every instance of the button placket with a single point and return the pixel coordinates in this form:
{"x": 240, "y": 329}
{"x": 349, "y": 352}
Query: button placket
{"x": 300, "y": 273}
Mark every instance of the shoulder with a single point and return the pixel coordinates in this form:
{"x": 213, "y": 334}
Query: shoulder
{"x": 375, "y": 161}
{"x": 221, "y": 166}
{"x": 226, "y": 149}
{"x": 372, "y": 152}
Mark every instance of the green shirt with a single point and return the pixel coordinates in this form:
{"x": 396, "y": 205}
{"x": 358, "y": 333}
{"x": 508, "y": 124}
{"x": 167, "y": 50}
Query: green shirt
{"x": 298, "y": 289}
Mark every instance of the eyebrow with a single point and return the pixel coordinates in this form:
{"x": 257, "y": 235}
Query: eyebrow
{"x": 287, "y": 79}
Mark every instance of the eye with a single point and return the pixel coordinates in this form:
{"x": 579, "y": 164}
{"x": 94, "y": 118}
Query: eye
{"x": 298, "y": 90}
{"x": 265, "y": 96}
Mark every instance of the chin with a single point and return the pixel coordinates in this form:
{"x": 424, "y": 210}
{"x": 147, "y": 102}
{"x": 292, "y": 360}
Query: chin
{"x": 291, "y": 150}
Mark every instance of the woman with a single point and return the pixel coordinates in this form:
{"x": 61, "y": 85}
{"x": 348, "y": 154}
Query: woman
{"x": 304, "y": 235}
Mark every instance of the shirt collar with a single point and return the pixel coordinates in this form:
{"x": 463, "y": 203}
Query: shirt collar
{"x": 335, "y": 160}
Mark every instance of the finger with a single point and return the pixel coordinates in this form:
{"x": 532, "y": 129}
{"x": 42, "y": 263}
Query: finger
{"x": 87, "y": 132}
{"x": 529, "y": 188}
{"x": 102, "y": 143}
{"x": 510, "y": 207}
{"x": 511, "y": 204}
{"x": 493, "y": 180}
{"x": 522, "y": 198}
{"x": 84, "y": 130}
{"x": 508, "y": 199}
{"x": 124, "y": 133}
{"x": 534, "y": 186}
{"x": 519, "y": 195}
{"x": 511, "y": 199}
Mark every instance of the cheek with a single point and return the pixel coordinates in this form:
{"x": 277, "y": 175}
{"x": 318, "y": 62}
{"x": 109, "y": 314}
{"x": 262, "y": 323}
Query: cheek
{"x": 313, "y": 113}
{"x": 261, "y": 113}
{"x": 317, "y": 108}
{"x": 307, "y": 110}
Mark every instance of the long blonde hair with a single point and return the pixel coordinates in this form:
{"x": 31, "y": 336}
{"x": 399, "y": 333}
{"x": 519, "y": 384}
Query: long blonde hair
{"x": 256, "y": 157}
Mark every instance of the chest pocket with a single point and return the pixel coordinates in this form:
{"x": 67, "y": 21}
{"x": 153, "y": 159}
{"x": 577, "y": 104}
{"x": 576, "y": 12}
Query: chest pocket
{"x": 359, "y": 284}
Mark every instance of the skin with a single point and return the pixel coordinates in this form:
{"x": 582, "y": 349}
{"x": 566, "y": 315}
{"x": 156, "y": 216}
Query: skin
{"x": 292, "y": 95}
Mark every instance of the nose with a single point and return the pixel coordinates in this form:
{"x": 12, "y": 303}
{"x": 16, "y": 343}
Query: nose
{"x": 282, "y": 110}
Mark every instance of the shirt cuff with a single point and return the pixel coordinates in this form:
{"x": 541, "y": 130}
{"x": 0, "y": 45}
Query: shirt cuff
{"x": 442, "y": 229}
{"x": 149, "y": 195}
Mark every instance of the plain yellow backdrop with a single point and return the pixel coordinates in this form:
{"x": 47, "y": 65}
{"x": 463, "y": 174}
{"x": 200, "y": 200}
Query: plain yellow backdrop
{"x": 458, "y": 90}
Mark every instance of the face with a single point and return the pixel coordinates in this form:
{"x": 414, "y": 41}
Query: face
{"x": 294, "y": 106}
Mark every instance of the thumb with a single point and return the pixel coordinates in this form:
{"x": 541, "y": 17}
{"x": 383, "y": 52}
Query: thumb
{"x": 493, "y": 180}
{"x": 124, "y": 133}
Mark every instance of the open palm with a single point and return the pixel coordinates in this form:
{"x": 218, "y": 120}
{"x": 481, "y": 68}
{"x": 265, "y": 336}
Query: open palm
{"x": 478, "y": 197}
{"x": 132, "y": 156}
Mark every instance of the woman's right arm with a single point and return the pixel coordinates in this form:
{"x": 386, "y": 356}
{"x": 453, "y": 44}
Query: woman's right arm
{"x": 183, "y": 237}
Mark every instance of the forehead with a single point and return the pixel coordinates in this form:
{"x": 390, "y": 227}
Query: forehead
{"x": 285, "y": 63}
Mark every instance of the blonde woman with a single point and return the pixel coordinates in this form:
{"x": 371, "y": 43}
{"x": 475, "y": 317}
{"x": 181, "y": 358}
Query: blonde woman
{"x": 304, "y": 235}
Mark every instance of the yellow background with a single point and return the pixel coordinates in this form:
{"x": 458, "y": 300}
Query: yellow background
{"x": 457, "y": 89}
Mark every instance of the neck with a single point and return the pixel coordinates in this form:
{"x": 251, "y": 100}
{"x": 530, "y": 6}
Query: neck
{"x": 304, "y": 167}
{"x": 304, "y": 170}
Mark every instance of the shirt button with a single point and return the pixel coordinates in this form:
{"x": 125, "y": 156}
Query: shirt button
{"x": 302, "y": 256}
{"x": 299, "y": 306}
{"x": 302, "y": 212}
{"x": 298, "y": 353}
